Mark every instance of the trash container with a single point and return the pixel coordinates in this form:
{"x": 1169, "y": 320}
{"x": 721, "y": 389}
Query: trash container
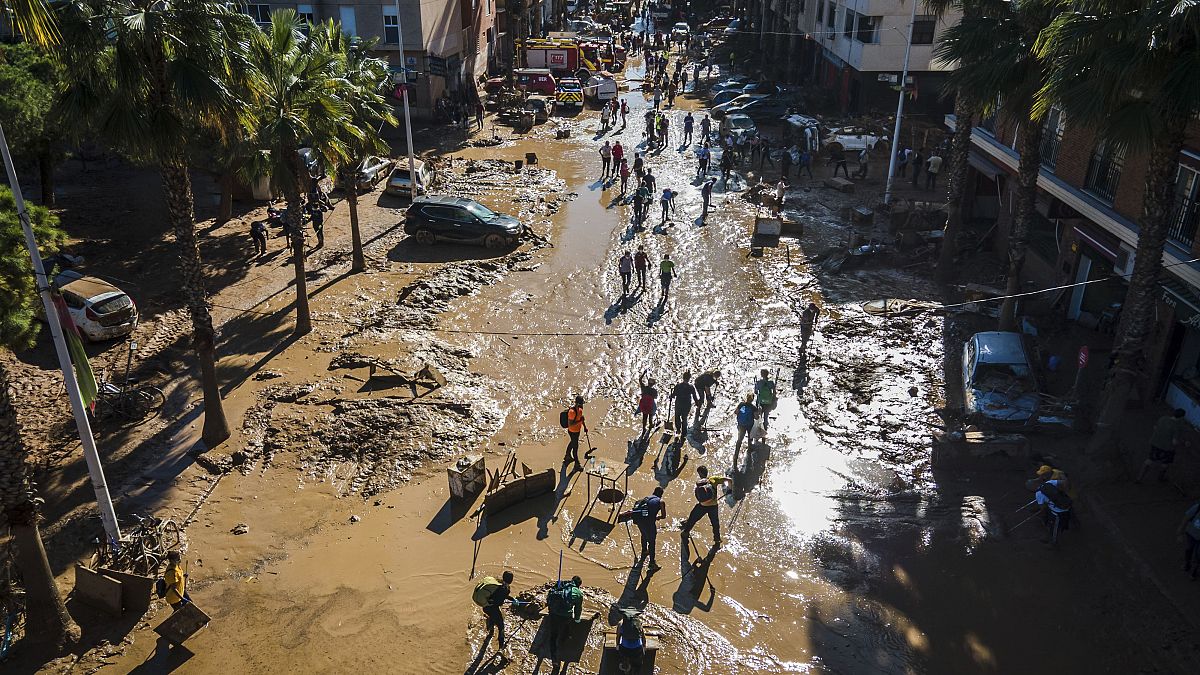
{"x": 531, "y": 158}
{"x": 517, "y": 164}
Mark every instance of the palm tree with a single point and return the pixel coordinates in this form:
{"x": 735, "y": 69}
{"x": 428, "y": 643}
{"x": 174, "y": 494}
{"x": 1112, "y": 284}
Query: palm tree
{"x": 300, "y": 101}
{"x": 369, "y": 111}
{"x": 996, "y": 53}
{"x": 32, "y": 19}
{"x": 47, "y": 616}
{"x": 148, "y": 74}
{"x": 1131, "y": 70}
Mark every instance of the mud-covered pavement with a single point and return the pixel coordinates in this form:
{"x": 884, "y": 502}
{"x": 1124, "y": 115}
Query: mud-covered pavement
{"x": 848, "y": 552}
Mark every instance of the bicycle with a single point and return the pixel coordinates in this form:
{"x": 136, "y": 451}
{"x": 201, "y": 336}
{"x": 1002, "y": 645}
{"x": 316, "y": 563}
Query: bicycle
{"x": 127, "y": 399}
{"x": 142, "y": 549}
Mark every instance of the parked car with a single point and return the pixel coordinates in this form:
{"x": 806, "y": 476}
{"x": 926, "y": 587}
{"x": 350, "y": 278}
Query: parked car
{"x": 400, "y": 182}
{"x": 998, "y": 381}
{"x": 761, "y": 108}
{"x": 738, "y": 126}
{"x": 761, "y": 88}
{"x": 736, "y": 82}
{"x": 460, "y": 220}
{"x": 719, "y": 22}
{"x": 725, "y": 96}
{"x": 372, "y": 171}
{"x": 735, "y": 102}
{"x": 854, "y": 138}
{"x": 679, "y": 31}
{"x": 733, "y": 27}
{"x": 100, "y": 310}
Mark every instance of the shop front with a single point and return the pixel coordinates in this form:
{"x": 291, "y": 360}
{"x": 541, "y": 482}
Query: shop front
{"x": 1182, "y": 357}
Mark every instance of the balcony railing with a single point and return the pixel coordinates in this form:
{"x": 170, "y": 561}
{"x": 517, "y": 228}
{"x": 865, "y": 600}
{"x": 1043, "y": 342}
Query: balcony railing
{"x": 1184, "y": 219}
{"x": 1103, "y": 174}
{"x": 1051, "y": 139}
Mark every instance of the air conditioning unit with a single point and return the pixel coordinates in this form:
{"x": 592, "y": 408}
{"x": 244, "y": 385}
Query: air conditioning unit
{"x": 1123, "y": 267}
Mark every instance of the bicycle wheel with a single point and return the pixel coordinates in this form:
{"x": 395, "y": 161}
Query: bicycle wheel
{"x": 142, "y": 404}
{"x": 171, "y": 536}
{"x": 144, "y": 563}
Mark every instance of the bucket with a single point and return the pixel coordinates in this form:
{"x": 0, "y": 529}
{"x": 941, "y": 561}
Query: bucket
{"x": 531, "y": 158}
{"x": 517, "y": 164}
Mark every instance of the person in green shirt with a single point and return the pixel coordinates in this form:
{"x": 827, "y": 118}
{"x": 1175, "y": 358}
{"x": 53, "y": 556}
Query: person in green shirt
{"x": 764, "y": 391}
{"x": 565, "y": 605}
{"x": 666, "y": 272}
{"x": 1169, "y": 434}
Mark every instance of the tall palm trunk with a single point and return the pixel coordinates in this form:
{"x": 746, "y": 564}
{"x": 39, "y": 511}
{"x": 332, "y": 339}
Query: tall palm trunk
{"x": 295, "y": 219}
{"x": 964, "y": 118}
{"x": 46, "y": 614}
{"x": 177, "y": 185}
{"x": 359, "y": 261}
{"x": 1138, "y": 311}
{"x": 1018, "y": 238}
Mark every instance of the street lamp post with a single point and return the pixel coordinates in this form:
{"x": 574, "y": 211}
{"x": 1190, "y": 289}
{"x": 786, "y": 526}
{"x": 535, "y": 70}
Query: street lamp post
{"x": 887, "y": 191}
{"x": 412, "y": 162}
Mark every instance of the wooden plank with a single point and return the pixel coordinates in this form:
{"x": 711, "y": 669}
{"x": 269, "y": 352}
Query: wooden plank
{"x": 136, "y": 590}
{"x": 183, "y": 623}
{"x": 99, "y": 591}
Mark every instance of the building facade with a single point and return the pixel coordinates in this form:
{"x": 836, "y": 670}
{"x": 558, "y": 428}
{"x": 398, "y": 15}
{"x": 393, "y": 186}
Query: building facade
{"x": 855, "y": 49}
{"x": 1089, "y": 198}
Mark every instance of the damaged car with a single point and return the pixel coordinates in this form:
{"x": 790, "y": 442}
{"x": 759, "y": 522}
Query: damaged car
{"x": 999, "y": 386}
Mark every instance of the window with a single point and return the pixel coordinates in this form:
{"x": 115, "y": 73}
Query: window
{"x": 831, "y": 16}
{"x": 820, "y": 12}
{"x": 848, "y": 23}
{"x": 391, "y": 26}
{"x": 801, "y": 8}
{"x": 1104, "y": 171}
{"x": 260, "y": 13}
{"x": 306, "y": 13}
{"x": 347, "y": 16}
{"x": 868, "y": 29}
{"x": 489, "y": 7}
{"x": 923, "y": 28}
{"x": 1052, "y": 133}
{"x": 1185, "y": 208}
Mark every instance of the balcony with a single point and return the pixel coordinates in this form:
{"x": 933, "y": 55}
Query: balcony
{"x": 1051, "y": 139}
{"x": 1184, "y": 219}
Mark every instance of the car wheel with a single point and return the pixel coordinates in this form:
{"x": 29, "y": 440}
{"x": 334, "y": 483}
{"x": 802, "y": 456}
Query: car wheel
{"x": 494, "y": 241}
{"x": 425, "y": 237}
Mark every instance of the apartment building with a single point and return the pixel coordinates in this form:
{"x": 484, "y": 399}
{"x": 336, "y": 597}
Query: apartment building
{"x": 1089, "y": 197}
{"x": 855, "y": 49}
{"x": 448, "y": 44}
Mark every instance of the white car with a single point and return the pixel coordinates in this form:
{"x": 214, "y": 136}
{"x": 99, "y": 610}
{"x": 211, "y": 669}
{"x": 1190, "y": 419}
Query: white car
{"x": 738, "y": 126}
{"x": 400, "y": 183}
{"x": 680, "y": 31}
{"x": 998, "y": 382}
{"x": 100, "y": 310}
{"x": 854, "y": 138}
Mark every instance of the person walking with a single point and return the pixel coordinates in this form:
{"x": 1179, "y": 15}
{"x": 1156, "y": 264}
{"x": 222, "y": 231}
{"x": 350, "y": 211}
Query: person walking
{"x": 903, "y": 155}
{"x": 618, "y": 155}
{"x": 647, "y": 402}
{"x": 864, "y": 158}
{"x": 657, "y": 96}
{"x": 1168, "y": 436}
{"x": 641, "y": 262}
{"x": 647, "y": 511}
{"x": 1189, "y": 534}
{"x": 932, "y": 168}
{"x": 704, "y": 391}
{"x": 683, "y": 395}
{"x": 745, "y": 415}
{"x": 639, "y": 165}
{"x": 726, "y": 164}
{"x": 780, "y": 192}
{"x": 755, "y": 148}
{"x": 479, "y": 116}
{"x": 706, "y": 503}
{"x": 605, "y": 159}
{"x": 764, "y": 391}
{"x": 625, "y": 267}
{"x": 650, "y": 181}
{"x": 688, "y": 123}
{"x": 808, "y": 321}
{"x": 175, "y": 579}
{"x": 805, "y": 162}
{"x": 318, "y": 222}
{"x": 706, "y": 127}
{"x": 918, "y": 163}
{"x": 838, "y": 157}
{"x": 491, "y": 594}
{"x": 565, "y": 606}
{"x": 702, "y": 155}
{"x": 624, "y": 174}
{"x": 764, "y": 148}
{"x": 641, "y": 202}
{"x": 706, "y": 196}
{"x": 785, "y": 163}
{"x": 624, "y": 112}
{"x": 576, "y": 423}
{"x": 666, "y": 272}
{"x": 683, "y": 80}
{"x": 258, "y": 233}
{"x": 665, "y": 202}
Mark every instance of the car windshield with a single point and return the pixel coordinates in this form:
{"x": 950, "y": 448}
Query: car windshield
{"x": 741, "y": 123}
{"x": 480, "y": 211}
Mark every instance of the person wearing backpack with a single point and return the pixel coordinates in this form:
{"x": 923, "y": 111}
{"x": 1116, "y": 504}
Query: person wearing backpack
{"x": 1055, "y": 507}
{"x": 746, "y": 412}
{"x": 647, "y": 511}
{"x": 572, "y": 418}
{"x": 1189, "y": 534}
{"x": 706, "y": 503}
{"x": 565, "y": 604}
{"x": 491, "y": 595}
{"x": 764, "y": 390}
{"x": 631, "y": 642}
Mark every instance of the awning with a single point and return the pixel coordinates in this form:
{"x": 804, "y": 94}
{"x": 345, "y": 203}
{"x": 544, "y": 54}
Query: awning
{"x": 1181, "y": 298}
{"x": 983, "y": 165}
{"x": 1104, "y": 243}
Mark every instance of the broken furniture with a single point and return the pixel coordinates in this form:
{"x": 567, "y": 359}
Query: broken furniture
{"x": 468, "y": 476}
{"x": 113, "y": 592}
{"x": 507, "y": 487}
{"x": 607, "y": 473}
{"x": 183, "y": 624}
{"x": 609, "y": 664}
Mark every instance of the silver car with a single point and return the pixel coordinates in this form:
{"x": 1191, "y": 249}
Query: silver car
{"x": 998, "y": 381}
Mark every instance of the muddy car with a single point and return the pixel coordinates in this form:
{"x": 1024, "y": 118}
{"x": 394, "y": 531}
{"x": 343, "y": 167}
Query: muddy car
{"x": 100, "y": 310}
{"x": 998, "y": 382}
{"x": 463, "y": 221}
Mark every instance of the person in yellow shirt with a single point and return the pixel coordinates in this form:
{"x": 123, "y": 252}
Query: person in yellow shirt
{"x": 176, "y": 579}
{"x": 707, "y": 499}
{"x": 575, "y": 424}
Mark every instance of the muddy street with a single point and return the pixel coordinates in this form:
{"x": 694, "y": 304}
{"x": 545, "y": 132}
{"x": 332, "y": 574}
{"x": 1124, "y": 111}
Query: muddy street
{"x": 845, "y": 547}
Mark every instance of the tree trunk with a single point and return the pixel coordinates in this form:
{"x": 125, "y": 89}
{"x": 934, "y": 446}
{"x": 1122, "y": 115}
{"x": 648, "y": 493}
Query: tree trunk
{"x": 177, "y": 185}
{"x": 46, "y": 614}
{"x": 359, "y": 263}
{"x": 1018, "y": 238}
{"x": 46, "y": 178}
{"x": 964, "y": 116}
{"x": 295, "y": 219}
{"x": 225, "y": 211}
{"x": 1132, "y": 339}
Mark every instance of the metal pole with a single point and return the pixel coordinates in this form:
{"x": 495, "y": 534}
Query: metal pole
{"x": 95, "y": 470}
{"x": 895, "y": 144}
{"x": 412, "y": 162}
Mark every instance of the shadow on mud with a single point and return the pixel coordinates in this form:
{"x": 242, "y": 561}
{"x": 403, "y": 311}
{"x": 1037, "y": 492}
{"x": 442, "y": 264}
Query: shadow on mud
{"x": 408, "y": 250}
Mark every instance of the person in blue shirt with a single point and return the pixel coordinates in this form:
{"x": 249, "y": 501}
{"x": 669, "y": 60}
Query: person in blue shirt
{"x": 646, "y": 514}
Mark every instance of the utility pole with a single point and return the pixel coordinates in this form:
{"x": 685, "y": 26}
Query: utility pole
{"x": 412, "y": 162}
{"x": 895, "y": 144}
{"x": 107, "y": 514}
